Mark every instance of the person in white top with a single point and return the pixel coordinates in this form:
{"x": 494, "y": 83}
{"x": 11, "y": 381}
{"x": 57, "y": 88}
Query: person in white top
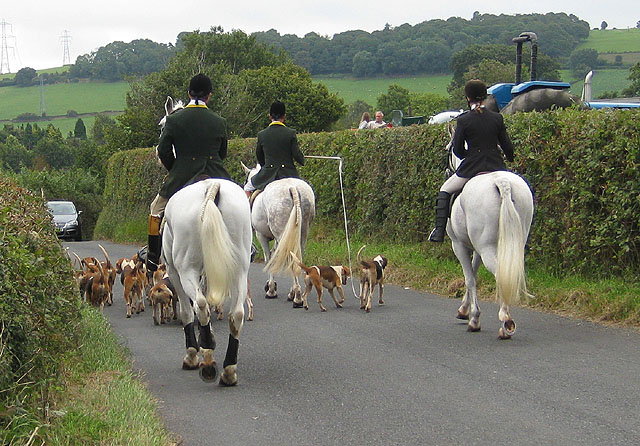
{"x": 366, "y": 119}
{"x": 378, "y": 123}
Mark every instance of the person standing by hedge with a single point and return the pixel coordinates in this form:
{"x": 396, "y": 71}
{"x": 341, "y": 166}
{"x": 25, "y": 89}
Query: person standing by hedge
{"x": 199, "y": 138}
{"x": 482, "y": 130}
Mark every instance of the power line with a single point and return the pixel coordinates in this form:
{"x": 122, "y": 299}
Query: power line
{"x": 65, "y": 38}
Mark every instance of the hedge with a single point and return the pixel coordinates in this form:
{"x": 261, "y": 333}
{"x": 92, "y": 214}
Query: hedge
{"x": 582, "y": 165}
{"x": 39, "y": 304}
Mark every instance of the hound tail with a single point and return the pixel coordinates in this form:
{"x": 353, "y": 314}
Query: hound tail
{"x": 290, "y": 241}
{"x": 219, "y": 255}
{"x": 304, "y": 267}
{"x": 510, "y": 275}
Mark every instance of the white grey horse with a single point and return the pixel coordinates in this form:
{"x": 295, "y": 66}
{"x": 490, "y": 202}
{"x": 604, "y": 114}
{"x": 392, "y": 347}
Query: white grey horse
{"x": 283, "y": 212}
{"x": 489, "y": 224}
{"x": 206, "y": 244}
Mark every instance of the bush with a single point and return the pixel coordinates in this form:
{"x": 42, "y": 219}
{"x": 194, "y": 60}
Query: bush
{"x": 39, "y": 309}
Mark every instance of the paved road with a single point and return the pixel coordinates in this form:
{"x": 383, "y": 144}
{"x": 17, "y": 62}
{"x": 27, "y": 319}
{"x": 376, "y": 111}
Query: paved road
{"x": 408, "y": 373}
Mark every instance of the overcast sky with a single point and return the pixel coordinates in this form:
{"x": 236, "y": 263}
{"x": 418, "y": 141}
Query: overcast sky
{"x": 34, "y": 29}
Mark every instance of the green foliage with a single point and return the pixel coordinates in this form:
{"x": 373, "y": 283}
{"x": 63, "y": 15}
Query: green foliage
{"x": 427, "y": 104}
{"x": 583, "y": 167}
{"x": 80, "y": 130}
{"x": 634, "y": 77}
{"x": 396, "y": 98}
{"x": 25, "y": 77}
{"x": 582, "y": 61}
{"x": 310, "y": 107}
{"x": 39, "y": 310}
{"x": 426, "y": 47}
{"x": 247, "y": 77}
{"x": 116, "y": 60}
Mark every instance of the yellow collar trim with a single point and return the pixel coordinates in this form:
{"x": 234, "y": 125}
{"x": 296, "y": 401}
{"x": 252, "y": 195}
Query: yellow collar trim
{"x": 276, "y": 123}
{"x": 196, "y": 105}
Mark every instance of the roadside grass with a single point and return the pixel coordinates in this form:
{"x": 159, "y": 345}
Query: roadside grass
{"x": 101, "y": 401}
{"x": 433, "y": 268}
{"x": 351, "y": 89}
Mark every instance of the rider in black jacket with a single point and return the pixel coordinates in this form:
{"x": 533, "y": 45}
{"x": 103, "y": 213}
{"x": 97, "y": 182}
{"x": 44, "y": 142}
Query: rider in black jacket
{"x": 482, "y": 130}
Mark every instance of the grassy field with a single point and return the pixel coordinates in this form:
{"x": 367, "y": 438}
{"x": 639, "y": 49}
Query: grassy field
{"x": 368, "y": 90}
{"x": 603, "y": 80}
{"x": 46, "y": 70}
{"x": 613, "y": 40}
{"x": 83, "y": 97}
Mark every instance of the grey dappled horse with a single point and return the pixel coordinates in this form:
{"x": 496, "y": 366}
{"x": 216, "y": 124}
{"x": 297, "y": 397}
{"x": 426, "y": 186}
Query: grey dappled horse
{"x": 489, "y": 224}
{"x": 283, "y": 212}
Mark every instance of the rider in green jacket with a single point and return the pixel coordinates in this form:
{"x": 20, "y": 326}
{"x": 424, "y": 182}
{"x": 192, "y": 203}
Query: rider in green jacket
{"x": 193, "y": 143}
{"x": 276, "y": 151}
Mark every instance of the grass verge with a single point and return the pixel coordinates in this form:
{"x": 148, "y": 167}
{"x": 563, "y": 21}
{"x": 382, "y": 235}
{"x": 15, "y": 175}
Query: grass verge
{"x": 98, "y": 399}
{"x": 433, "y": 268}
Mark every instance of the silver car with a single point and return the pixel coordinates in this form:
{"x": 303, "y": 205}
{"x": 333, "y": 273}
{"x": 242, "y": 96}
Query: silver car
{"x": 66, "y": 219}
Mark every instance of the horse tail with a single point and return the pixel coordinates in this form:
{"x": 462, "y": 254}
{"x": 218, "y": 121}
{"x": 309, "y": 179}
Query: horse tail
{"x": 219, "y": 254}
{"x": 510, "y": 275}
{"x": 290, "y": 241}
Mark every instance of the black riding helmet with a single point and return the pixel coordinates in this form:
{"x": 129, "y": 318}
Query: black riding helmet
{"x": 200, "y": 86}
{"x": 475, "y": 90}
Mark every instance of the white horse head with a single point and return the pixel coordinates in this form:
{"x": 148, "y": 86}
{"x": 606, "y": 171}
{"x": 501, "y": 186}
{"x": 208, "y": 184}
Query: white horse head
{"x": 250, "y": 173}
{"x": 170, "y": 106}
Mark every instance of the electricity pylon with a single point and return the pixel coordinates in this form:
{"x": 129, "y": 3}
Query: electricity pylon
{"x": 65, "y": 38}
{"x": 4, "y": 47}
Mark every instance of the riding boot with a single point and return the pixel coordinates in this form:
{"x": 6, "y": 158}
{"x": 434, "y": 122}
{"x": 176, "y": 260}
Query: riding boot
{"x": 154, "y": 245}
{"x": 442, "y": 215}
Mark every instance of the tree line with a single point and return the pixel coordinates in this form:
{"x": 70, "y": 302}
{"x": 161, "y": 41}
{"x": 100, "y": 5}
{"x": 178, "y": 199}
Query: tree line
{"x": 427, "y": 47}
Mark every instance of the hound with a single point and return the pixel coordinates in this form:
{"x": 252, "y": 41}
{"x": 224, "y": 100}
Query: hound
{"x": 371, "y": 273}
{"x": 329, "y": 277}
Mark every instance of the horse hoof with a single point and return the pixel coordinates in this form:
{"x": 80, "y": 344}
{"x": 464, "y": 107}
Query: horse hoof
{"x": 464, "y": 317}
{"x": 187, "y": 366}
{"x": 266, "y": 296}
{"x": 229, "y": 377}
{"x": 473, "y": 329}
{"x": 297, "y": 305}
{"x": 507, "y": 330}
{"x": 209, "y": 372}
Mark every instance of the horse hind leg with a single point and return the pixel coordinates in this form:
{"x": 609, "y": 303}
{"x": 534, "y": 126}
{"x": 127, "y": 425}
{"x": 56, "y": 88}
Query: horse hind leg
{"x": 229, "y": 376}
{"x": 469, "y": 309}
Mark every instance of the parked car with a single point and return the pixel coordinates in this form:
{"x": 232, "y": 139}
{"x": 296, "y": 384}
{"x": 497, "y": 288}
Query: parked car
{"x": 66, "y": 219}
